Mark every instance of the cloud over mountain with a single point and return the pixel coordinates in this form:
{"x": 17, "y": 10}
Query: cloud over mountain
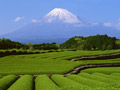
{"x": 18, "y": 19}
{"x": 113, "y": 25}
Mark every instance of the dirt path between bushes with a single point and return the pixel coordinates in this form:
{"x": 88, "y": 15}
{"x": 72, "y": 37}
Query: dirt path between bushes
{"x": 82, "y": 67}
{"x": 98, "y": 57}
{"x": 78, "y": 69}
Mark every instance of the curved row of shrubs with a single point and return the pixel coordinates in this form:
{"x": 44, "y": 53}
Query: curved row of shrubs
{"x": 6, "y": 81}
{"x": 43, "y": 82}
{"x": 22, "y": 52}
{"x": 23, "y": 83}
{"x": 82, "y": 81}
{"x": 14, "y": 52}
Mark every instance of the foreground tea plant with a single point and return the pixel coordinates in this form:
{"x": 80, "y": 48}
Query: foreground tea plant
{"x": 67, "y": 84}
{"x": 43, "y": 82}
{"x": 6, "y": 81}
{"x": 23, "y": 83}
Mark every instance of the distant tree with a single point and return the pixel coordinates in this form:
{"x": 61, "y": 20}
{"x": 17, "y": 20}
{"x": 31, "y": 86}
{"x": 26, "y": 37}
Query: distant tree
{"x": 8, "y": 44}
{"x": 30, "y": 47}
{"x": 45, "y": 46}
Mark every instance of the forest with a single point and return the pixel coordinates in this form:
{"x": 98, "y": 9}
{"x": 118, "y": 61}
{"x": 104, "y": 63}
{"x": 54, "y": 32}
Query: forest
{"x": 97, "y": 42}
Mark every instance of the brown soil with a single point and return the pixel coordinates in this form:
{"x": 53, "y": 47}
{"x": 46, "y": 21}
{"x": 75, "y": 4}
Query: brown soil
{"x": 98, "y": 57}
{"x": 78, "y": 69}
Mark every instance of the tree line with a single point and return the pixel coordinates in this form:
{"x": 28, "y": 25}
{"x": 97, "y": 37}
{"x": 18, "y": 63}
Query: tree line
{"x": 97, "y": 42}
{"x": 8, "y": 44}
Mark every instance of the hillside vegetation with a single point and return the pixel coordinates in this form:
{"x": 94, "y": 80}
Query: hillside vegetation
{"x": 98, "y": 42}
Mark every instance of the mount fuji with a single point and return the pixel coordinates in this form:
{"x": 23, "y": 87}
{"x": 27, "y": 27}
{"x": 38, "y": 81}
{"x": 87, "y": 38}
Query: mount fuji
{"x": 58, "y": 26}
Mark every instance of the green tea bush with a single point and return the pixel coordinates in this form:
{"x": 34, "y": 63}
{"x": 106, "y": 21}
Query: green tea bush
{"x": 86, "y": 81}
{"x": 115, "y": 74}
{"x": 112, "y": 77}
{"x": 23, "y": 83}
{"x": 105, "y": 70}
{"x": 109, "y": 82}
{"x": 43, "y": 82}
{"x": 67, "y": 84}
{"x": 0, "y": 76}
{"x": 6, "y": 81}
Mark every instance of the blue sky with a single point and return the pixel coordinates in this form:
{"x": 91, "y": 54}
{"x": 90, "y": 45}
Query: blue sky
{"x": 26, "y": 10}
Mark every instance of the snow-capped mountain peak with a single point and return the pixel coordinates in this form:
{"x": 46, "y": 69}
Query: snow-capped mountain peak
{"x": 61, "y": 15}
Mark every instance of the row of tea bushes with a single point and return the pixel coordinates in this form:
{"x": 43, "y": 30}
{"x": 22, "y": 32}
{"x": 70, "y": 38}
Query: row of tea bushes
{"x": 43, "y": 82}
{"x": 105, "y": 70}
{"x": 6, "y": 81}
{"x": 82, "y": 81}
{"x": 67, "y": 84}
{"x": 23, "y": 83}
{"x": 22, "y": 52}
{"x": 14, "y": 52}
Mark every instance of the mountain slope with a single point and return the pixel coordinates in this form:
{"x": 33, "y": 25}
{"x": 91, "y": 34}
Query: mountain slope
{"x": 58, "y": 26}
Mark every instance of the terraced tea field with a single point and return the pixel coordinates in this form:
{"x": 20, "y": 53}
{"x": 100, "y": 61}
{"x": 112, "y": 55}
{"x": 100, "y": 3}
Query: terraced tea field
{"x": 49, "y": 63}
{"x": 51, "y": 71}
{"x": 82, "y": 81}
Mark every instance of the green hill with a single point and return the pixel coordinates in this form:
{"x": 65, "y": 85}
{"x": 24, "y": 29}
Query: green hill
{"x": 98, "y": 42}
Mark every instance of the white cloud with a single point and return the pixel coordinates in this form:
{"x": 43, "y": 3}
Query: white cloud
{"x": 34, "y": 20}
{"x": 18, "y": 19}
{"x": 117, "y": 26}
{"x": 108, "y": 24}
{"x": 114, "y": 25}
{"x": 95, "y": 23}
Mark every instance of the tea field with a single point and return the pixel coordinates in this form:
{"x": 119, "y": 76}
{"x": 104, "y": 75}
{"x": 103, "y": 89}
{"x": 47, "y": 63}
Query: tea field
{"x": 49, "y": 63}
{"x": 45, "y": 71}
{"x": 81, "y": 81}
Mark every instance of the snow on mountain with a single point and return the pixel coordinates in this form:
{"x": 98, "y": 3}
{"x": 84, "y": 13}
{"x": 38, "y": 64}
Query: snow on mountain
{"x": 61, "y": 15}
{"x": 58, "y": 15}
